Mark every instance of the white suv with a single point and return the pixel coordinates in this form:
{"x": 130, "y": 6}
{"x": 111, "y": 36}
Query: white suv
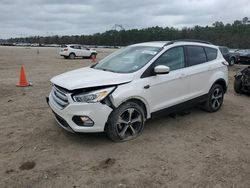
{"x": 119, "y": 93}
{"x": 75, "y": 50}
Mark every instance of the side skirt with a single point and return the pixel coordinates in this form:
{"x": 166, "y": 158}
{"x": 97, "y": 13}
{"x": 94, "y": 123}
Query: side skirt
{"x": 180, "y": 107}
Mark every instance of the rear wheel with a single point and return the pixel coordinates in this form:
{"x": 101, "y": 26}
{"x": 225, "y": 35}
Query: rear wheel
{"x": 126, "y": 122}
{"x": 215, "y": 98}
{"x": 72, "y": 56}
{"x": 232, "y": 61}
{"x": 238, "y": 85}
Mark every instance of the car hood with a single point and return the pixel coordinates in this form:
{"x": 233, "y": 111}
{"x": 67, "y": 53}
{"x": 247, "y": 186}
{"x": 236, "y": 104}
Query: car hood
{"x": 89, "y": 77}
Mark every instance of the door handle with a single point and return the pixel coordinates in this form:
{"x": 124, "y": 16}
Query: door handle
{"x": 146, "y": 86}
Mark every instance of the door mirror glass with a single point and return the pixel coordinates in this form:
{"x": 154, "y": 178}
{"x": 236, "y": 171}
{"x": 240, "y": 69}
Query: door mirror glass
{"x": 161, "y": 69}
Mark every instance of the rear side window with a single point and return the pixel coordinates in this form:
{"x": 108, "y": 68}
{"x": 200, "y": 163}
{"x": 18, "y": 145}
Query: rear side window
{"x": 211, "y": 54}
{"x": 83, "y": 48}
{"x": 196, "y": 55}
{"x": 76, "y": 47}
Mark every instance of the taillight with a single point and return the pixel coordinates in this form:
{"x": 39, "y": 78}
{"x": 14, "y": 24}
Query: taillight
{"x": 65, "y": 49}
{"x": 225, "y": 63}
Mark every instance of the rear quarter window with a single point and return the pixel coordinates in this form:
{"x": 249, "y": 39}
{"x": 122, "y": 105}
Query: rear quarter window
{"x": 211, "y": 53}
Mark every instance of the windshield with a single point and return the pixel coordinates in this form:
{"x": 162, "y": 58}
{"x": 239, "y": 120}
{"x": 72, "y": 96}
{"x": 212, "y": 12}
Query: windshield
{"x": 127, "y": 60}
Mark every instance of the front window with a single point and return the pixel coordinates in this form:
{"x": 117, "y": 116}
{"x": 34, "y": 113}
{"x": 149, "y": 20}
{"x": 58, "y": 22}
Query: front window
{"x": 127, "y": 60}
{"x": 173, "y": 58}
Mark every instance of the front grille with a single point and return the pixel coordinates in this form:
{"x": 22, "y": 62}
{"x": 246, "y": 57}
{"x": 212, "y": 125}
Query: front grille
{"x": 59, "y": 97}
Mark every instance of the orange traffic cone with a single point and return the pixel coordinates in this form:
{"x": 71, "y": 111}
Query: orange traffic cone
{"x": 23, "y": 81}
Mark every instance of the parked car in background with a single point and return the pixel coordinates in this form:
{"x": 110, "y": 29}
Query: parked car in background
{"x": 72, "y": 51}
{"x": 244, "y": 56}
{"x": 234, "y": 56}
{"x": 119, "y": 93}
{"x": 230, "y": 57}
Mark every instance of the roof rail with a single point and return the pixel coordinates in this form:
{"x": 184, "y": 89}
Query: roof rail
{"x": 187, "y": 40}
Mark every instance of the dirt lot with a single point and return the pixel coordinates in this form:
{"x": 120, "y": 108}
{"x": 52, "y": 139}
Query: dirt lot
{"x": 197, "y": 150}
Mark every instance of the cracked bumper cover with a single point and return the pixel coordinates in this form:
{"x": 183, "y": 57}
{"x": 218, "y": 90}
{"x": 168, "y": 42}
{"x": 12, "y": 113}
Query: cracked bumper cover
{"x": 98, "y": 112}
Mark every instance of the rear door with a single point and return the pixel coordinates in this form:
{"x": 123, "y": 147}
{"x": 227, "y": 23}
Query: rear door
{"x": 201, "y": 61}
{"x": 77, "y": 50}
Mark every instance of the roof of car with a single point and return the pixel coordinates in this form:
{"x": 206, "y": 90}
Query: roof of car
{"x": 153, "y": 43}
{"x": 180, "y": 42}
{"x": 73, "y": 44}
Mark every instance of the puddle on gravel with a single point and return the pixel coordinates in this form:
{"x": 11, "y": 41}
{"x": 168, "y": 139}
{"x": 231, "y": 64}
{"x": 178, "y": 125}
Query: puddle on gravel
{"x": 107, "y": 163}
{"x": 27, "y": 165}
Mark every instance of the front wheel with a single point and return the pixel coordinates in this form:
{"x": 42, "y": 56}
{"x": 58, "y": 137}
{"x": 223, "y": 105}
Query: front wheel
{"x": 215, "y": 98}
{"x": 126, "y": 122}
{"x": 93, "y": 56}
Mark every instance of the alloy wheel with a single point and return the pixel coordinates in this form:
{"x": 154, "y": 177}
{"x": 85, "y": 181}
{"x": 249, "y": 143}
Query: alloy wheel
{"x": 232, "y": 62}
{"x": 129, "y": 124}
{"x": 217, "y": 98}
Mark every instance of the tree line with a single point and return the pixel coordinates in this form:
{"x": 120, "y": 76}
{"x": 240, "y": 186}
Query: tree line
{"x": 235, "y": 35}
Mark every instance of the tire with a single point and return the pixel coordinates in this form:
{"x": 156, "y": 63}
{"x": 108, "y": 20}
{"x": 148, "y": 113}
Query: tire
{"x": 238, "y": 85}
{"x": 215, "y": 98}
{"x": 72, "y": 56}
{"x": 232, "y": 61}
{"x": 93, "y": 56}
{"x": 125, "y": 122}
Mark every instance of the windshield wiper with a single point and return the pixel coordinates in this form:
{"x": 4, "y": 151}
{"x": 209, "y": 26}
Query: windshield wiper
{"x": 105, "y": 70}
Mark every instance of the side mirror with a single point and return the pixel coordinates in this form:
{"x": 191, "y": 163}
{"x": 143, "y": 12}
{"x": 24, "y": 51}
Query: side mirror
{"x": 161, "y": 69}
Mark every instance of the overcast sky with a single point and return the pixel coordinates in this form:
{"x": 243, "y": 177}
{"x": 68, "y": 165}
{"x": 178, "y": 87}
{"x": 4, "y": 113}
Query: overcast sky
{"x": 20, "y": 18}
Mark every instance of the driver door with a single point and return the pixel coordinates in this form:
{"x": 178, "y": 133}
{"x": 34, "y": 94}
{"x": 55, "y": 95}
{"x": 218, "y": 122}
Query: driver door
{"x": 166, "y": 90}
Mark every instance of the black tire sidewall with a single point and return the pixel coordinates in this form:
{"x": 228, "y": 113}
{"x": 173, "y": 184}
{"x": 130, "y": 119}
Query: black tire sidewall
{"x": 209, "y": 106}
{"x": 72, "y": 56}
{"x": 111, "y": 127}
{"x": 230, "y": 62}
{"x": 93, "y": 55}
{"x": 238, "y": 85}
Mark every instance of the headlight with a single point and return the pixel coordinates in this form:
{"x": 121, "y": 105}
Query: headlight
{"x": 94, "y": 96}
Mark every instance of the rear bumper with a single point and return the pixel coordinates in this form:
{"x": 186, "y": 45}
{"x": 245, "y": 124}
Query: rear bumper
{"x": 63, "y": 53}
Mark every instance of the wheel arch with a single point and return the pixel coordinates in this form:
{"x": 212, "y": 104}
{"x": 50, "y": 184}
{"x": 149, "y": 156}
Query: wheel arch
{"x": 140, "y": 101}
{"x": 72, "y": 53}
{"x": 221, "y": 82}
